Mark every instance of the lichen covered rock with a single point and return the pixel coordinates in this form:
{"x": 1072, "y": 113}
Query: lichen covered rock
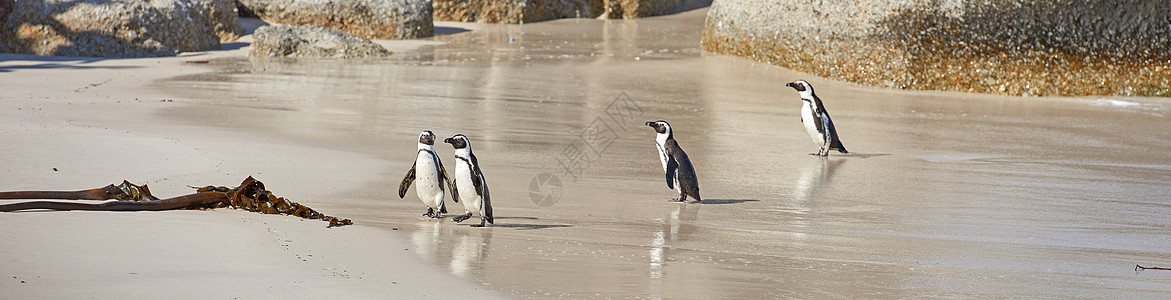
{"x": 5, "y": 9}
{"x": 1011, "y": 47}
{"x": 630, "y": 9}
{"x": 311, "y": 41}
{"x": 522, "y": 11}
{"x": 514, "y": 11}
{"x": 116, "y": 28}
{"x": 372, "y": 19}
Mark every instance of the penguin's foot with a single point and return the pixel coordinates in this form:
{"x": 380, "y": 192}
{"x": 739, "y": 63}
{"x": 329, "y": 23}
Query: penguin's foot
{"x": 430, "y": 213}
{"x": 461, "y": 218}
{"x": 482, "y": 220}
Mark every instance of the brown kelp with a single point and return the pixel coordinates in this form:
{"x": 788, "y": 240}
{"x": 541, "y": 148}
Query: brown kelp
{"x": 250, "y": 195}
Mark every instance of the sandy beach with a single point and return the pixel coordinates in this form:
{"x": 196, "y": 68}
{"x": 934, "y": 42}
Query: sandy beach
{"x": 950, "y": 195}
{"x": 80, "y": 123}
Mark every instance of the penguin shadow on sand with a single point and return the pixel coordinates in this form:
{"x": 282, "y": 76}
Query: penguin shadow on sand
{"x": 854, "y": 155}
{"x": 676, "y": 227}
{"x": 526, "y": 223}
{"x": 726, "y": 201}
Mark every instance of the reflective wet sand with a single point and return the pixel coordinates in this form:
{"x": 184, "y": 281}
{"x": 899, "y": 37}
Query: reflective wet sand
{"x": 942, "y": 195}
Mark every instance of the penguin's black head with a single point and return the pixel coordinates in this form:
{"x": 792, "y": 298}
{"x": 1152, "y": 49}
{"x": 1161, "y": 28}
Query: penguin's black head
{"x": 660, "y": 126}
{"x": 800, "y": 86}
{"x": 458, "y": 141}
{"x": 427, "y": 138}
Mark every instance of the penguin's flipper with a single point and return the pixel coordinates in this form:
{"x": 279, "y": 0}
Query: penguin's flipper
{"x": 672, "y": 167}
{"x": 442, "y": 172}
{"x": 831, "y": 135}
{"x": 487, "y": 207}
{"x": 828, "y": 127}
{"x": 454, "y": 191}
{"x": 837, "y": 144}
{"x": 450, "y": 183}
{"x": 688, "y": 183}
{"x": 477, "y": 177}
{"x": 402, "y": 187}
{"x": 819, "y": 120}
{"x": 479, "y": 183}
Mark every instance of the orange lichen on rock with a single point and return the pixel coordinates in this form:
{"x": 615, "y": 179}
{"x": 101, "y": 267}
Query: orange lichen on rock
{"x": 1007, "y": 47}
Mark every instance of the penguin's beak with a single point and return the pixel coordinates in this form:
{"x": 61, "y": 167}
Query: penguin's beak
{"x": 447, "y": 140}
{"x": 790, "y": 85}
{"x": 651, "y": 124}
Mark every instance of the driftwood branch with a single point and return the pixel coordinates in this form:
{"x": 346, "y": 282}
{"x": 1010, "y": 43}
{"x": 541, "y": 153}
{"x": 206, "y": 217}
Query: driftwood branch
{"x": 125, "y": 191}
{"x": 1140, "y": 268}
{"x": 250, "y": 196}
{"x": 181, "y": 202}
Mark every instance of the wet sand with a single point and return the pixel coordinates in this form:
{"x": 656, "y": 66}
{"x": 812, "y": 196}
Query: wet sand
{"x": 943, "y": 194}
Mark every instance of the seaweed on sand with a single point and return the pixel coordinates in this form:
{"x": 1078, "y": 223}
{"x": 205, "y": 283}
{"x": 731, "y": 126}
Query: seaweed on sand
{"x": 250, "y": 195}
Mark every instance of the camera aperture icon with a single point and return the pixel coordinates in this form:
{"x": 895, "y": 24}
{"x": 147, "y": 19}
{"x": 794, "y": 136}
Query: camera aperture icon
{"x": 545, "y": 189}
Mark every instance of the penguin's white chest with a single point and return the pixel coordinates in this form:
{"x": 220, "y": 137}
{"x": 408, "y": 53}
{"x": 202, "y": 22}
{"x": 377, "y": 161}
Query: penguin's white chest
{"x": 427, "y": 184}
{"x": 473, "y": 203}
{"x": 810, "y": 120}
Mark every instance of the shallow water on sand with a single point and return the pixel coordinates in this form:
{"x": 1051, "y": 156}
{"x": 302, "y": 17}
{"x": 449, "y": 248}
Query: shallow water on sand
{"x": 942, "y": 194}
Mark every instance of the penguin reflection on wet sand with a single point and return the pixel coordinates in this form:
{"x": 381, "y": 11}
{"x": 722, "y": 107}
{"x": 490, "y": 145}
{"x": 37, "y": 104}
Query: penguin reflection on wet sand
{"x": 676, "y": 166}
{"x": 469, "y": 182}
{"x": 428, "y": 169}
{"x": 816, "y": 120}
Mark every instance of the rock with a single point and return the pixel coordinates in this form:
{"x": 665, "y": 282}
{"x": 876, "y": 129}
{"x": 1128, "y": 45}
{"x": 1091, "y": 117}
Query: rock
{"x": 5, "y": 9}
{"x": 226, "y": 20}
{"x": 373, "y": 19}
{"x": 522, "y": 11}
{"x": 312, "y": 41}
{"x": 243, "y": 11}
{"x": 514, "y": 11}
{"x": 630, "y": 9}
{"x": 1043, "y": 47}
{"x": 117, "y": 28}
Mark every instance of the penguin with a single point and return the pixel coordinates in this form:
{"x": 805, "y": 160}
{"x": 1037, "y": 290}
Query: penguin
{"x": 428, "y": 169}
{"x": 469, "y": 182}
{"x": 676, "y": 165}
{"x": 817, "y": 121}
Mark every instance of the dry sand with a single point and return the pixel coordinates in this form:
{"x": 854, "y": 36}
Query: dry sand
{"x": 943, "y": 194}
{"x": 71, "y": 124}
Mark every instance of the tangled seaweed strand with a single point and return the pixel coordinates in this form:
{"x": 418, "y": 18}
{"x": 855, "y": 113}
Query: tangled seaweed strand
{"x": 250, "y": 196}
